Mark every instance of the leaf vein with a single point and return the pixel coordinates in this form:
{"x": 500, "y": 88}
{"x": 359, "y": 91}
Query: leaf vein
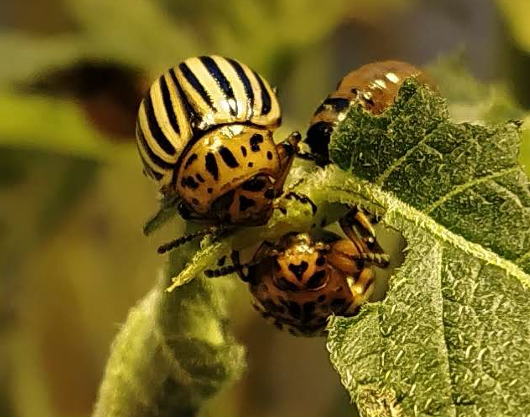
{"x": 397, "y": 163}
{"x": 463, "y": 187}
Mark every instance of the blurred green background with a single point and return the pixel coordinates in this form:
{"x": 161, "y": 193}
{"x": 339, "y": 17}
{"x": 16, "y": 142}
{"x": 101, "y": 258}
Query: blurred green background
{"x": 73, "y": 198}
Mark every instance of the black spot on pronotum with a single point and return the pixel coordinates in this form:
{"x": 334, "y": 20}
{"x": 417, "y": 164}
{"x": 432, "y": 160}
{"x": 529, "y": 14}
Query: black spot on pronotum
{"x": 299, "y": 270}
{"x": 294, "y": 310}
{"x": 270, "y": 194}
{"x": 245, "y": 203}
{"x": 283, "y": 284}
{"x": 316, "y": 279}
{"x": 209, "y": 190}
{"x": 189, "y": 182}
{"x": 255, "y": 184}
{"x": 243, "y": 150}
{"x": 336, "y": 303}
{"x": 250, "y": 164}
{"x": 199, "y": 178}
{"x": 211, "y": 165}
{"x": 255, "y": 140}
{"x": 228, "y": 157}
{"x": 270, "y": 306}
{"x": 190, "y": 160}
{"x": 308, "y": 309}
{"x": 269, "y": 155}
{"x": 223, "y": 203}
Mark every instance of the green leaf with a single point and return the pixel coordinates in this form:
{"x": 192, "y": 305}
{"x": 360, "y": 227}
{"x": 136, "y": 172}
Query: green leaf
{"x": 53, "y": 125}
{"x": 453, "y": 334}
{"x": 468, "y": 99}
{"x": 173, "y": 352}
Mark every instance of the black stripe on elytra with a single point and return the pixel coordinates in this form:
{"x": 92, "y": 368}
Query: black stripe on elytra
{"x": 336, "y": 103}
{"x": 221, "y": 81}
{"x": 154, "y": 127}
{"x": 228, "y": 157}
{"x": 168, "y": 105}
{"x": 299, "y": 270}
{"x": 244, "y": 79}
{"x": 187, "y": 107}
{"x": 211, "y": 165}
{"x": 190, "y": 160}
{"x": 155, "y": 159}
{"x": 245, "y": 203}
{"x": 148, "y": 169}
{"x": 196, "y": 84}
{"x": 265, "y": 96}
{"x": 255, "y": 184}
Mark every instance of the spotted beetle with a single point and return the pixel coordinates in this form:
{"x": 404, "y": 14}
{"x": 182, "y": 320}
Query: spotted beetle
{"x": 298, "y": 282}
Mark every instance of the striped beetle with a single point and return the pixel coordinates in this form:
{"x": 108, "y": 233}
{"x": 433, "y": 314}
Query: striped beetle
{"x": 205, "y": 134}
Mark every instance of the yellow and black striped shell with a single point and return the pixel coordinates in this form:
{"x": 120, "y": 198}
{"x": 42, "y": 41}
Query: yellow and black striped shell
{"x": 190, "y": 100}
{"x": 301, "y": 286}
{"x": 375, "y": 85}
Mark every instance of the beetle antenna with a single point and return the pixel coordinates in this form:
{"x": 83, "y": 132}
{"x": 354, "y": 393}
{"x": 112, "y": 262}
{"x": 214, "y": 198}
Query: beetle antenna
{"x": 225, "y": 271}
{"x": 188, "y": 237}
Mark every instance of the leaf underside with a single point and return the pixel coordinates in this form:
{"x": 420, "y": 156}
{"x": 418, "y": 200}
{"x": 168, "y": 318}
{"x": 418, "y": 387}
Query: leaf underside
{"x": 452, "y": 336}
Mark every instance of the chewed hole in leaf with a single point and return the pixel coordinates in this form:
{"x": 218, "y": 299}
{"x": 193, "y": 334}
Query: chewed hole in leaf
{"x": 394, "y": 244}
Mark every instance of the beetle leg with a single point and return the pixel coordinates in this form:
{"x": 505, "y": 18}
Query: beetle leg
{"x": 361, "y": 289}
{"x": 286, "y": 151}
{"x": 363, "y": 237}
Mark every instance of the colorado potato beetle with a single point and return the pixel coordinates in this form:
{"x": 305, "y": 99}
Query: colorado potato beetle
{"x": 298, "y": 282}
{"x": 205, "y": 135}
{"x": 375, "y": 85}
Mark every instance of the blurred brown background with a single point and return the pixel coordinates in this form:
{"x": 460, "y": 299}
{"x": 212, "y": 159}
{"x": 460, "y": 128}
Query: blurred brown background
{"x": 73, "y": 198}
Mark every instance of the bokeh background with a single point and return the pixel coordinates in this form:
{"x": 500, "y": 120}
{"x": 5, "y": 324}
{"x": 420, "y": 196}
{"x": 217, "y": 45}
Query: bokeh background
{"x": 73, "y": 198}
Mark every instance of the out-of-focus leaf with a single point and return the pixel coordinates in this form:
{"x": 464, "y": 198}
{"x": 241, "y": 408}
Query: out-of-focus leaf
{"x": 174, "y": 351}
{"x": 468, "y": 99}
{"x": 516, "y": 14}
{"x": 29, "y": 56}
{"x": 37, "y": 122}
{"x": 140, "y": 34}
